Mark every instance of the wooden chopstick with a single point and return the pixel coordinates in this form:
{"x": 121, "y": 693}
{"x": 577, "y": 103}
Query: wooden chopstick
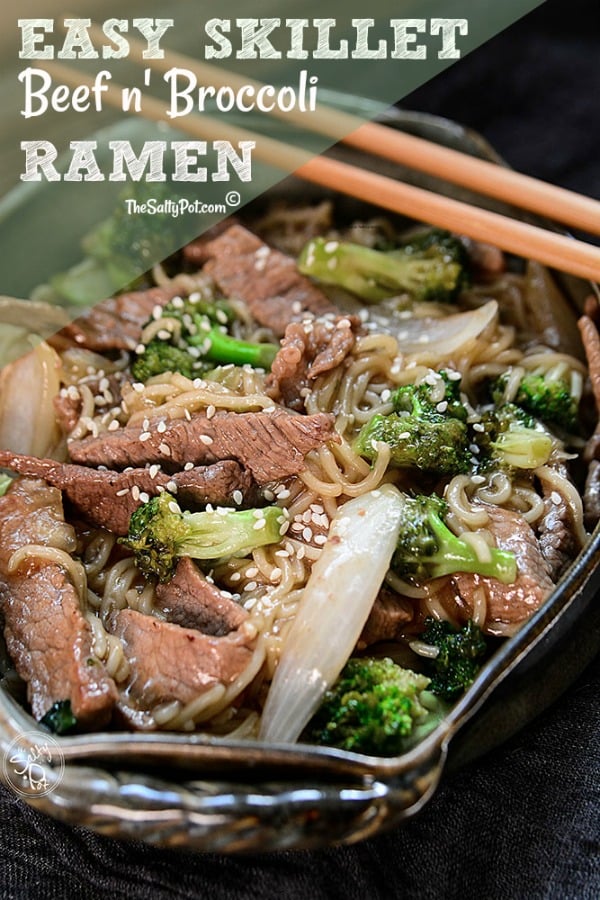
{"x": 529, "y": 241}
{"x": 481, "y": 176}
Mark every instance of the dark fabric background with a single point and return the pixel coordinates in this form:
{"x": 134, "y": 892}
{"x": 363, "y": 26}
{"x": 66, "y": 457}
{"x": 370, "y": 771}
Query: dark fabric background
{"x": 522, "y": 822}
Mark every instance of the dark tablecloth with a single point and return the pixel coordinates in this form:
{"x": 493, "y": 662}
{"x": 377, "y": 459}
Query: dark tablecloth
{"x": 523, "y": 822}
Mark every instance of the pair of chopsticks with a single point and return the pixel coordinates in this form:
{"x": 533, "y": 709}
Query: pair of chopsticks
{"x": 529, "y": 241}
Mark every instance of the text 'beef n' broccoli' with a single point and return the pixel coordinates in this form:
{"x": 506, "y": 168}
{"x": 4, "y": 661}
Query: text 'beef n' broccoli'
{"x": 431, "y": 267}
{"x": 460, "y": 655}
{"x": 423, "y": 433}
{"x": 193, "y": 337}
{"x": 376, "y": 707}
{"x": 428, "y": 549}
{"x": 159, "y": 533}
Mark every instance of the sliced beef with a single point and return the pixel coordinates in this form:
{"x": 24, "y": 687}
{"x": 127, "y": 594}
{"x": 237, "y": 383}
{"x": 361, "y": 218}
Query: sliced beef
{"x": 169, "y": 662}
{"x": 195, "y": 252}
{"x": 116, "y": 323}
{"x": 591, "y": 496}
{"x": 508, "y": 605}
{"x": 557, "y": 535}
{"x": 309, "y": 349}
{"x": 246, "y": 268}
{"x": 107, "y": 499}
{"x": 388, "y": 617}
{"x": 271, "y": 445}
{"x": 191, "y": 601}
{"x": 47, "y": 636}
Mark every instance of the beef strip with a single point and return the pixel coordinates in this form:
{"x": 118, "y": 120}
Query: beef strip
{"x": 271, "y": 445}
{"x": 588, "y": 326}
{"x": 116, "y": 323}
{"x": 195, "y": 252}
{"x": 591, "y": 496}
{"x": 191, "y": 601}
{"x": 308, "y": 350}
{"x": 169, "y": 662}
{"x": 508, "y": 605}
{"x": 267, "y": 280}
{"x": 389, "y": 614}
{"x": 47, "y": 635}
{"x": 106, "y": 499}
{"x": 557, "y": 536}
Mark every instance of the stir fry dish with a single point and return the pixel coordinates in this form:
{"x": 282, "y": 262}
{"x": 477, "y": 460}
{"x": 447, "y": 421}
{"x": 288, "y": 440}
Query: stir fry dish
{"x": 299, "y": 484}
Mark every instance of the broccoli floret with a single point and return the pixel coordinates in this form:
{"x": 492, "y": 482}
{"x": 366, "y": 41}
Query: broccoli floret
{"x": 121, "y": 248}
{"x": 428, "y": 549}
{"x": 508, "y": 437}
{"x": 544, "y": 396}
{"x": 426, "y": 270}
{"x": 418, "y": 434}
{"x": 377, "y": 708}
{"x": 195, "y": 334}
{"x": 460, "y": 655}
{"x": 60, "y": 718}
{"x": 161, "y": 356}
{"x": 159, "y": 533}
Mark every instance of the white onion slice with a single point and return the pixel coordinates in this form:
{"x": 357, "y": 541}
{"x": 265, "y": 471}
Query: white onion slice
{"x": 27, "y": 388}
{"x": 334, "y": 608}
{"x": 444, "y": 336}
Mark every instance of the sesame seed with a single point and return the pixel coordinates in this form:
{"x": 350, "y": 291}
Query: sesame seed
{"x": 235, "y": 577}
{"x": 268, "y": 495}
{"x": 477, "y": 479}
{"x": 237, "y": 497}
{"x": 556, "y": 498}
{"x": 283, "y": 553}
{"x": 135, "y": 492}
{"x": 331, "y": 246}
{"x": 161, "y": 427}
{"x": 157, "y": 312}
{"x": 404, "y": 436}
{"x": 221, "y": 316}
{"x": 251, "y": 572}
{"x": 260, "y": 523}
{"x": 210, "y": 411}
{"x": 385, "y": 395}
{"x": 477, "y": 426}
{"x": 188, "y": 466}
{"x": 205, "y": 439}
{"x": 145, "y": 436}
{"x": 164, "y": 448}
{"x": 275, "y": 574}
{"x": 442, "y": 406}
{"x": 114, "y": 425}
{"x": 284, "y": 494}
{"x": 144, "y": 497}
{"x": 307, "y": 534}
{"x": 283, "y": 528}
{"x": 297, "y": 526}
{"x": 171, "y": 486}
{"x": 453, "y": 376}
{"x": 138, "y": 387}
{"x": 320, "y": 539}
{"x": 187, "y": 414}
{"x": 251, "y": 586}
{"x": 301, "y": 553}
{"x": 122, "y": 492}
{"x": 154, "y": 470}
{"x": 174, "y": 507}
